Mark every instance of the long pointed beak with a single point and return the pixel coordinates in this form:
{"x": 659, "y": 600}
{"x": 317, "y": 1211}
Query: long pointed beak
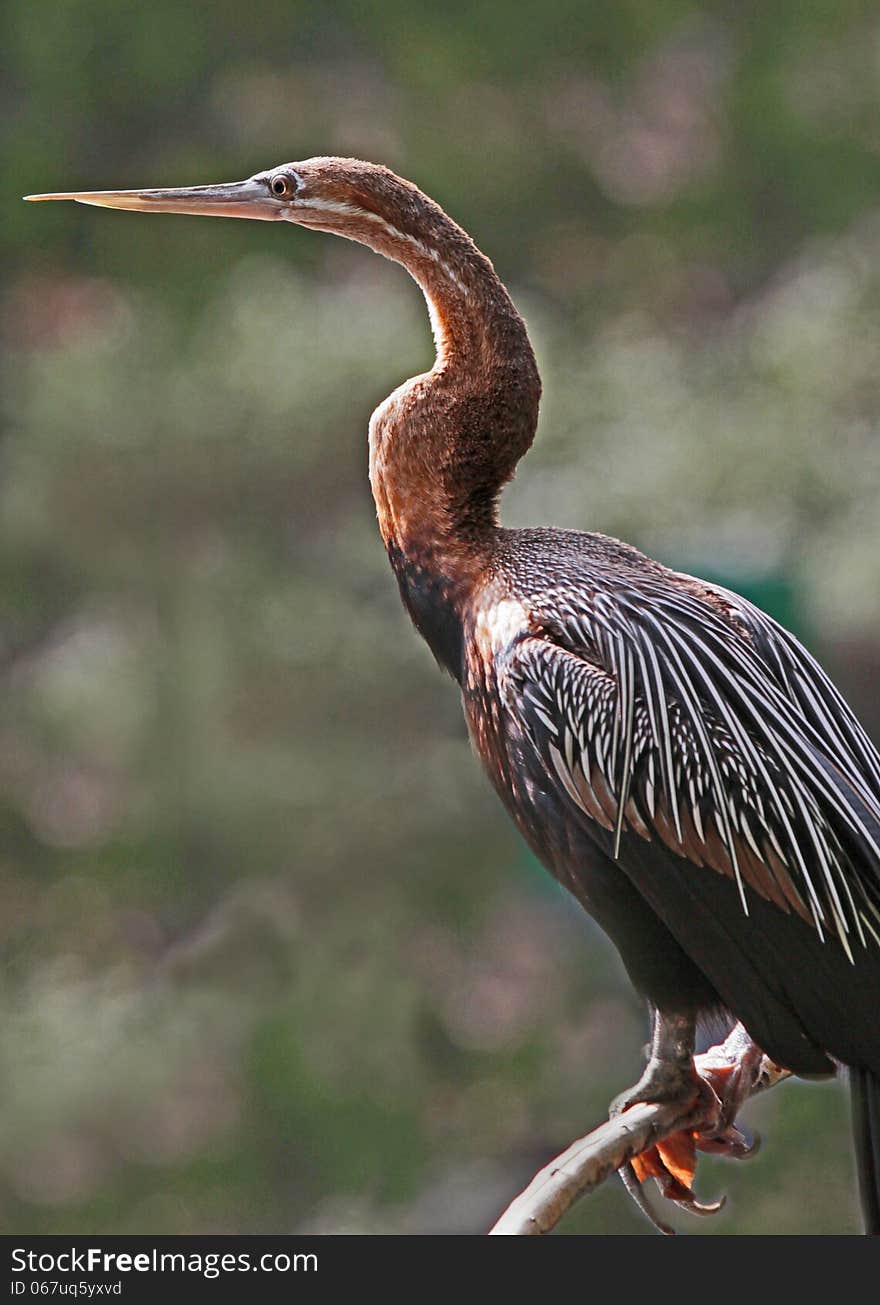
{"x": 239, "y": 199}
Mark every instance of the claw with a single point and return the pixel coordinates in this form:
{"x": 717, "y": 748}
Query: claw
{"x": 734, "y": 1143}
{"x": 633, "y": 1185}
{"x": 713, "y": 1086}
{"x": 672, "y": 1163}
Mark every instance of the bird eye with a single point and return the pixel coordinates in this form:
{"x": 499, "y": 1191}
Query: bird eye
{"x": 281, "y": 186}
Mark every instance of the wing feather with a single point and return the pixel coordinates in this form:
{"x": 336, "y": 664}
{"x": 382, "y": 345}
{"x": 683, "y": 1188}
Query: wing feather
{"x": 715, "y": 734}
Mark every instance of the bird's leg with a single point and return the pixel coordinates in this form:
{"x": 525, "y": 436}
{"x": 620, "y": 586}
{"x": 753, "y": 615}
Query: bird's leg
{"x": 709, "y": 1090}
{"x": 669, "y": 1079}
{"x": 669, "y": 1074}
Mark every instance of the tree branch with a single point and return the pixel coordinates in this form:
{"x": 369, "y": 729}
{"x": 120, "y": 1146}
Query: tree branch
{"x": 591, "y": 1159}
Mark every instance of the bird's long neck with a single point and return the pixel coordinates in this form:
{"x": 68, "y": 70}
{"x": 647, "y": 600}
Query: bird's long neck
{"x": 443, "y": 444}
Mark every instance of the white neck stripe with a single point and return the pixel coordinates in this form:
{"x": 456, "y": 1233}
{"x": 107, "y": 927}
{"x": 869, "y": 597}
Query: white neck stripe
{"x": 354, "y": 210}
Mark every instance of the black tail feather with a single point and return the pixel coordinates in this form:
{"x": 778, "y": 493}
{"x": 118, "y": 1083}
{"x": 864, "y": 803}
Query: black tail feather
{"x": 865, "y": 1088}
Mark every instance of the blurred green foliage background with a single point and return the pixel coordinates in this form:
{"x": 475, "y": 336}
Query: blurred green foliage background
{"x": 273, "y": 958}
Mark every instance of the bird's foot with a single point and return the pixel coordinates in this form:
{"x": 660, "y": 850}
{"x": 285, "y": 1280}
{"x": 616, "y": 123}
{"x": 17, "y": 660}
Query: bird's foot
{"x": 708, "y": 1090}
{"x": 672, "y": 1162}
{"x": 730, "y": 1071}
{"x": 664, "y": 1082}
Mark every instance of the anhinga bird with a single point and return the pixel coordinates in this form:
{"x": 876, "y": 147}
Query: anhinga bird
{"x": 673, "y": 756}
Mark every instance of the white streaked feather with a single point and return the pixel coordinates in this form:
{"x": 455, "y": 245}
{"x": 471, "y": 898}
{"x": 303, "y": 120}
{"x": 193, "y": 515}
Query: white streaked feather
{"x": 661, "y": 682}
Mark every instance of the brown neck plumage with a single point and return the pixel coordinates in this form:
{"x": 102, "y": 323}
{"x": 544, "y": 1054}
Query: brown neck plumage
{"x": 443, "y": 444}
